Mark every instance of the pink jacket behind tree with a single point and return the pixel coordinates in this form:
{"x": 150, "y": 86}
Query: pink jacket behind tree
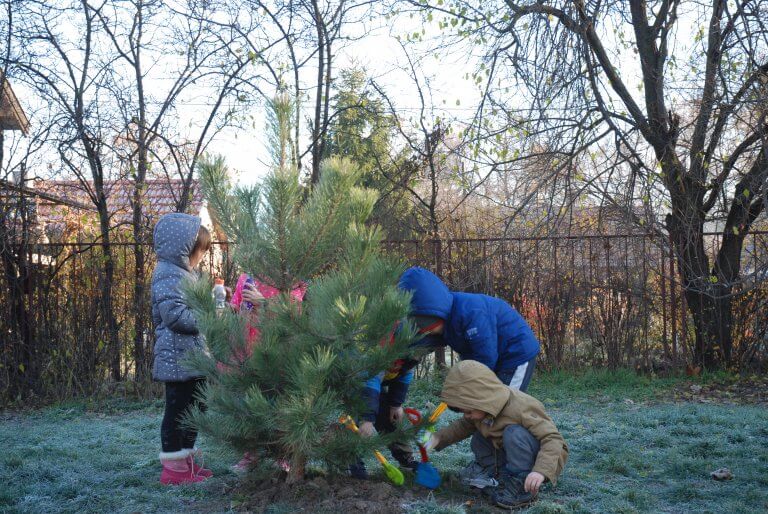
{"x": 267, "y": 291}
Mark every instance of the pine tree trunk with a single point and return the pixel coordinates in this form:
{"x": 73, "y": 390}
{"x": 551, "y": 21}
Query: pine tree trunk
{"x": 298, "y": 469}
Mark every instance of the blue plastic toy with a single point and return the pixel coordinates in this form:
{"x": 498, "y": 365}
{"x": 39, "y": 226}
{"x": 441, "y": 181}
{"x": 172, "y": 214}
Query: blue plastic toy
{"x": 426, "y": 474}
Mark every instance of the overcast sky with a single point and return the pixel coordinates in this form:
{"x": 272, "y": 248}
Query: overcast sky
{"x": 455, "y": 98}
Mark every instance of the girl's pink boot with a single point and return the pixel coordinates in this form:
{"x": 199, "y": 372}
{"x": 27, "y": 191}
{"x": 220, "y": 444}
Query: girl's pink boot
{"x": 200, "y": 470}
{"x": 176, "y": 469}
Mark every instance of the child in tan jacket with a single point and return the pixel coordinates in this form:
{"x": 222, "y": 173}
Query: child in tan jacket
{"x": 515, "y": 439}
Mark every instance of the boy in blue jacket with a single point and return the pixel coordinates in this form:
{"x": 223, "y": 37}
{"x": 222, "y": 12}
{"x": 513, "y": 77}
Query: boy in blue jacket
{"x": 384, "y": 396}
{"x": 476, "y": 326}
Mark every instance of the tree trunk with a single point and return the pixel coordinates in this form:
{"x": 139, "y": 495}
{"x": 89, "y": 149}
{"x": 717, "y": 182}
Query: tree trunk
{"x": 140, "y": 273}
{"x": 708, "y": 293}
{"x": 713, "y": 321}
{"x": 139, "y": 304}
{"x": 297, "y": 470}
{"x": 321, "y": 90}
{"x": 139, "y": 235}
{"x": 106, "y": 286}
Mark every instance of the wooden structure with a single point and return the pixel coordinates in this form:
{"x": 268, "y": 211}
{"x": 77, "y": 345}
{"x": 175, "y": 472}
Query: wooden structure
{"x": 12, "y": 116}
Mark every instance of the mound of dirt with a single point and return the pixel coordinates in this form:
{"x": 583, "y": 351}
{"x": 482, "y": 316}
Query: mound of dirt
{"x": 321, "y": 494}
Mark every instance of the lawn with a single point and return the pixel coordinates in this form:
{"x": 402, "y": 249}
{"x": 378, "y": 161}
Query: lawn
{"x": 637, "y": 445}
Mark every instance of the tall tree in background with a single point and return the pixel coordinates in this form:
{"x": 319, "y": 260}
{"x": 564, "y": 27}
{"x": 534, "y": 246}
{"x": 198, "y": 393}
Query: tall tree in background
{"x": 147, "y": 35}
{"x": 363, "y": 131}
{"x": 693, "y": 129}
{"x": 439, "y": 173}
{"x": 294, "y": 46}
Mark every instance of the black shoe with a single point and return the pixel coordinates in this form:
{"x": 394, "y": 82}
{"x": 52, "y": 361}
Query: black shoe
{"x": 358, "y": 470}
{"x": 411, "y": 465}
{"x": 511, "y": 493}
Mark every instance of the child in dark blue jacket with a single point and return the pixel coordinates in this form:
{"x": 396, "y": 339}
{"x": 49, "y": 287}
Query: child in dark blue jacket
{"x": 384, "y": 396}
{"x": 476, "y": 326}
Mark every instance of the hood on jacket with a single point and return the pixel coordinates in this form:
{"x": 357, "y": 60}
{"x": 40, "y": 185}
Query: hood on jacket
{"x": 431, "y": 297}
{"x": 174, "y": 237}
{"x": 472, "y": 385}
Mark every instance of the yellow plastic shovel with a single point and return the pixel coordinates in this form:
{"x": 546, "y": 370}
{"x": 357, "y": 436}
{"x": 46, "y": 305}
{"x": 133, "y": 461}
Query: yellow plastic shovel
{"x": 430, "y": 428}
{"x": 437, "y": 412}
{"x": 393, "y": 474}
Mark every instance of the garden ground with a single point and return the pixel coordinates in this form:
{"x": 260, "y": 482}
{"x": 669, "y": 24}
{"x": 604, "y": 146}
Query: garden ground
{"x": 637, "y": 445}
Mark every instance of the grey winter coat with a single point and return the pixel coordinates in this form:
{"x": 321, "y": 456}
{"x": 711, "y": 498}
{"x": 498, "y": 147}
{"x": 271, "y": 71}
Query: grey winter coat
{"x": 175, "y": 327}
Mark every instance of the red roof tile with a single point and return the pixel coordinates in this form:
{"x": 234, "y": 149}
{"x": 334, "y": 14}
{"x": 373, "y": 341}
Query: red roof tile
{"x": 160, "y": 197}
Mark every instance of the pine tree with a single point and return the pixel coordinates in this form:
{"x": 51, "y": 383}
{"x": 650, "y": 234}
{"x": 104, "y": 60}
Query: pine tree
{"x": 312, "y": 358}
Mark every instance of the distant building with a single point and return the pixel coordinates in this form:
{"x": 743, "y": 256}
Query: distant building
{"x": 12, "y": 116}
{"x": 68, "y": 220}
{"x": 161, "y": 197}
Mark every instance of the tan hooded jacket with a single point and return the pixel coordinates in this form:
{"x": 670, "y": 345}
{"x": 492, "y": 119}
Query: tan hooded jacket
{"x": 472, "y": 385}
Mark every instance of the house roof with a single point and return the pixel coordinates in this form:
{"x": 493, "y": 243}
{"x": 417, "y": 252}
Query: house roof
{"x": 160, "y": 197}
{"x": 12, "y": 116}
{"x": 10, "y": 190}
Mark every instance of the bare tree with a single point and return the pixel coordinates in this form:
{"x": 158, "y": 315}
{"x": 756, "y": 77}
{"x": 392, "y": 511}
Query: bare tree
{"x": 59, "y": 59}
{"x": 289, "y": 42}
{"x": 695, "y": 132}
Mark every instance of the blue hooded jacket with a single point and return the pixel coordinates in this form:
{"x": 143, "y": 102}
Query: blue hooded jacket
{"x": 477, "y": 326}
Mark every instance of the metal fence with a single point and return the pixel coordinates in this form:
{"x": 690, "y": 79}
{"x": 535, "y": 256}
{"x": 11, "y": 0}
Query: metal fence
{"x": 597, "y": 300}
{"x": 600, "y": 300}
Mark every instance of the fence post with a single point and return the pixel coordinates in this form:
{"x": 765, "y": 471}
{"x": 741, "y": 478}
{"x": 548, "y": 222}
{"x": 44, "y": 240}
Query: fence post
{"x": 673, "y": 296}
{"x": 438, "y": 248}
{"x": 663, "y": 276}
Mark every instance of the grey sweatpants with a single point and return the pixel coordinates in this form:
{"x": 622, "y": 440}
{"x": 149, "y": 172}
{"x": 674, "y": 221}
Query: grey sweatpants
{"x": 517, "y": 455}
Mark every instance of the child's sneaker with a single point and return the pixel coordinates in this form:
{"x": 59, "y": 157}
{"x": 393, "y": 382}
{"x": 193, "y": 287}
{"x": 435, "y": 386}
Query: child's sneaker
{"x": 477, "y": 477}
{"x": 358, "y": 470}
{"x": 485, "y": 484}
{"x": 511, "y": 492}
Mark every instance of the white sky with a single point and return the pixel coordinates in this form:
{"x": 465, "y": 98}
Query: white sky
{"x": 382, "y": 56}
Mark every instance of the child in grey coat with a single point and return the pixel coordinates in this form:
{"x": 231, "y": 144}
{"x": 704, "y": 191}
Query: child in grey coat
{"x": 180, "y": 243}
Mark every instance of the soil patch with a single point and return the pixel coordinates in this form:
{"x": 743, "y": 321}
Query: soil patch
{"x": 324, "y": 494}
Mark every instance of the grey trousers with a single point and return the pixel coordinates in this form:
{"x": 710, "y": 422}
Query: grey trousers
{"x": 517, "y": 455}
